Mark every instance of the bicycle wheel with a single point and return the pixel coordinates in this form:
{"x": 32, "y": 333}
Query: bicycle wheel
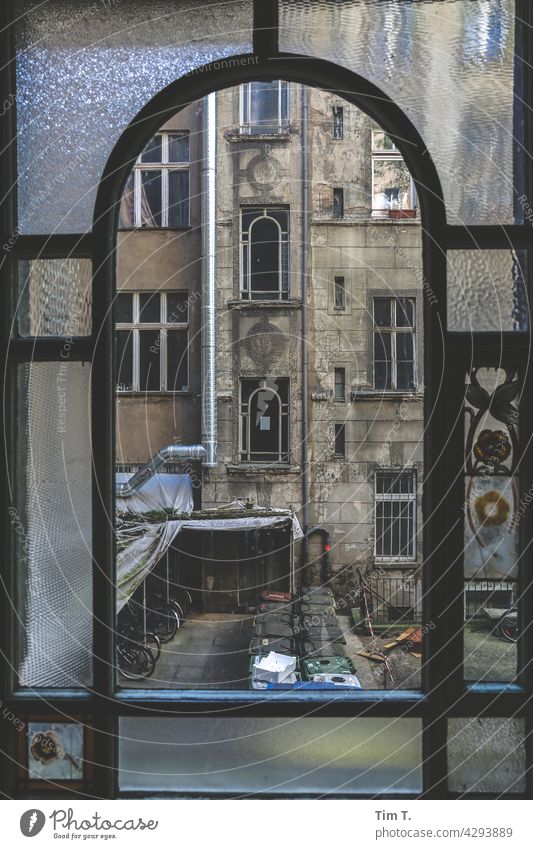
{"x": 152, "y": 642}
{"x": 163, "y": 622}
{"x": 509, "y": 629}
{"x": 135, "y": 662}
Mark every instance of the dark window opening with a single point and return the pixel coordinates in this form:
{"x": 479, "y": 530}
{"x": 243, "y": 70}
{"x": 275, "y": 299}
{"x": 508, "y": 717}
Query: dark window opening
{"x": 340, "y": 440}
{"x": 395, "y": 515}
{"x": 265, "y": 253}
{"x": 340, "y": 384}
{"x": 338, "y": 122}
{"x": 264, "y": 420}
{"x": 394, "y": 344}
{"x": 338, "y": 203}
{"x": 339, "y": 293}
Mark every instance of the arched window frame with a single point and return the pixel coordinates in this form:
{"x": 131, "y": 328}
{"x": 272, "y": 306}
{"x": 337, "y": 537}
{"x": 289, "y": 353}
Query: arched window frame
{"x": 248, "y": 291}
{"x": 444, "y": 693}
{"x": 247, "y": 454}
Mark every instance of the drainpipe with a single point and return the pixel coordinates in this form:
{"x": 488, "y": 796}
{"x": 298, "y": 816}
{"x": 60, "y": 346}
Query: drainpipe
{"x": 304, "y": 261}
{"x": 167, "y": 454}
{"x": 208, "y": 334}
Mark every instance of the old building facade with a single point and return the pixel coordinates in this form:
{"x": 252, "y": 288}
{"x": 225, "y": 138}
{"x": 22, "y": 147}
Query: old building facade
{"x": 319, "y": 341}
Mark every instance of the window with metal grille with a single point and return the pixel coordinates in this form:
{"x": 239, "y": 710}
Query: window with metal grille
{"x": 338, "y": 122}
{"x": 264, "y": 107}
{"x": 395, "y": 516}
{"x": 394, "y": 344}
{"x": 264, "y": 420}
{"x": 265, "y": 253}
{"x": 157, "y": 191}
{"x": 152, "y": 339}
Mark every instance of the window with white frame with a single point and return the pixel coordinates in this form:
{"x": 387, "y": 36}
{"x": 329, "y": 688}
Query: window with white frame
{"x": 264, "y": 420}
{"x": 157, "y": 191}
{"x": 395, "y": 515}
{"x": 393, "y": 189}
{"x": 152, "y": 336}
{"x": 265, "y": 107}
{"x": 394, "y": 344}
{"x": 265, "y": 253}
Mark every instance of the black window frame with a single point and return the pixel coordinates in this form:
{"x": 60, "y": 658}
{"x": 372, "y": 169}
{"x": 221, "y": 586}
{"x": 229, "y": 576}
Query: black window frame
{"x": 249, "y": 388}
{"x": 280, "y": 217}
{"x": 161, "y": 328}
{"x": 444, "y": 693}
{"x": 385, "y": 341}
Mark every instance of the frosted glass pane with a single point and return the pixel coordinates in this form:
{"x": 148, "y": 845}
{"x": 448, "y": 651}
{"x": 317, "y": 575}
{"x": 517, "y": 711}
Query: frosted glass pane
{"x": 487, "y": 290}
{"x": 52, "y": 523}
{"x": 270, "y": 755}
{"x": 449, "y": 64}
{"x": 54, "y": 297}
{"x": 492, "y": 511}
{"x": 486, "y": 755}
{"x": 84, "y": 70}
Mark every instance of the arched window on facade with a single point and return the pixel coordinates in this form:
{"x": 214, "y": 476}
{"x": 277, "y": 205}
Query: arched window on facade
{"x": 265, "y": 253}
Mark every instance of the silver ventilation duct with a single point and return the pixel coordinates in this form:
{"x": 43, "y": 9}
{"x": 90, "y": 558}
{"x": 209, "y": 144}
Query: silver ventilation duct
{"x": 164, "y": 455}
{"x": 209, "y": 340}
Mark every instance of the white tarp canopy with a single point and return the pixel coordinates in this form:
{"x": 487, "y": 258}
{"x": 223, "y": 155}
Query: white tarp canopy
{"x": 143, "y": 544}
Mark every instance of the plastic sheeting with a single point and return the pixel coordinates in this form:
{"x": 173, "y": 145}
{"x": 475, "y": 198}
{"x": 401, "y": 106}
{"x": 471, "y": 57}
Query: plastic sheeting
{"x": 141, "y": 546}
{"x": 161, "y": 491}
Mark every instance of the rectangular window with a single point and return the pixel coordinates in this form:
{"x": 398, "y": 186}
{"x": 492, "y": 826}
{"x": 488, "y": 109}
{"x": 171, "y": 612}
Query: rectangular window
{"x": 394, "y": 344}
{"x": 339, "y": 293}
{"x": 265, "y": 107}
{"x": 340, "y": 384}
{"x": 395, "y": 516}
{"x": 152, "y": 341}
{"x": 265, "y": 253}
{"x": 393, "y": 189}
{"x": 157, "y": 191}
{"x": 264, "y": 420}
{"x": 338, "y": 123}
{"x": 340, "y": 440}
{"x": 338, "y": 203}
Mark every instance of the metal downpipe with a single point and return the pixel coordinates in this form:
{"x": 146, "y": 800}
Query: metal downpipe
{"x": 208, "y": 333}
{"x": 304, "y": 261}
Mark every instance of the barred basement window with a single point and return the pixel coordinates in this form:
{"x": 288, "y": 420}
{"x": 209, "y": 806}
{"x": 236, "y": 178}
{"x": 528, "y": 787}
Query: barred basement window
{"x": 338, "y": 122}
{"x": 394, "y": 344}
{"x": 152, "y": 341}
{"x": 157, "y": 191}
{"x": 264, "y": 107}
{"x": 395, "y": 516}
{"x": 265, "y": 420}
{"x": 265, "y": 253}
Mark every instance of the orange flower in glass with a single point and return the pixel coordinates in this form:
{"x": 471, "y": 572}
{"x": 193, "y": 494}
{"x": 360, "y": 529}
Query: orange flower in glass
{"x": 492, "y": 508}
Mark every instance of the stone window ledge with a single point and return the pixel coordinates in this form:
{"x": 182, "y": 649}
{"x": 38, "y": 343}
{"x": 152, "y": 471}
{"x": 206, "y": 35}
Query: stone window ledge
{"x": 238, "y": 304}
{"x": 381, "y": 395}
{"x": 254, "y": 469}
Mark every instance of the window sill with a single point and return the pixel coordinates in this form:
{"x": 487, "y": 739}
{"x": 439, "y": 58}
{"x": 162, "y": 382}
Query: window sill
{"x": 243, "y": 134}
{"x": 262, "y": 469}
{"x": 151, "y": 394}
{"x": 155, "y": 229}
{"x": 385, "y": 395}
{"x": 366, "y": 220}
{"x": 239, "y": 304}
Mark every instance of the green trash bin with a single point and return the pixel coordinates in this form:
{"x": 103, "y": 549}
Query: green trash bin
{"x": 327, "y": 665}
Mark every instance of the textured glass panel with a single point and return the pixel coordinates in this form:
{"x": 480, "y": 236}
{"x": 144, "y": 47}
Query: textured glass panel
{"x": 84, "y": 70}
{"x": 270, "y": 755}
{"x": 448, "y": 64}
{"x": 54, "y": 517}
{"x": 492, "y": 516}
{"x": 54, "y": 297}
{"x": 487, "y": 290}
{"x": 486, "y": 755}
